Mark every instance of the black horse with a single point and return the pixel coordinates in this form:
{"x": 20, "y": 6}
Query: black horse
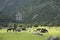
{"x": 23, "y": 29}
{"x": 10, "y": 29}
{"x": 0, "y": 28}
{"x": 38, "y": 29}
{"x": 14, "y": 29}
{"x": 43, "y": 30}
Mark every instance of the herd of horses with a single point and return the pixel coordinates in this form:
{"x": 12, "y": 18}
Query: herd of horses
{"x": 16, "y": 29}
{"x": 43, "y": 30}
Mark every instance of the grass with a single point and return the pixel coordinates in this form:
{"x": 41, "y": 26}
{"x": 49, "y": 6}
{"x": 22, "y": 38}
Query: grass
{"x": 26, "y": 35}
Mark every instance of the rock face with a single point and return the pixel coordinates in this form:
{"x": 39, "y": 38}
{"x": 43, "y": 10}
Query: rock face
{"x": 18, "y": 16}
{"x": 5, "y": 4}
{"x": 53, "y": 38}
{"x": 41, "y": 12}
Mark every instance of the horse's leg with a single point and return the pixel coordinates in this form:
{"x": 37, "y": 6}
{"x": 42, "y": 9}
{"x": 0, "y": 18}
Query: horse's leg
{"x": 7, "y": 30}
{"x": 10, "y": 30}
{"x": 13, "y": 30}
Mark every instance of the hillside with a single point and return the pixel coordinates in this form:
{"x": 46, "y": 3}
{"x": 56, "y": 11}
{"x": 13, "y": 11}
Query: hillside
{"x": 42, "y": 12}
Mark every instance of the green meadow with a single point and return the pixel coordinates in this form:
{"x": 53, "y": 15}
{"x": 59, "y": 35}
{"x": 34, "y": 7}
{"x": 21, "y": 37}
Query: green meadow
{"x": 29, "y": 35}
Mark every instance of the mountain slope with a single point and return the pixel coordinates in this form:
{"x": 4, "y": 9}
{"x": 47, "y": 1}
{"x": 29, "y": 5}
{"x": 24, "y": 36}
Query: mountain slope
{"x": 43, "y": 12}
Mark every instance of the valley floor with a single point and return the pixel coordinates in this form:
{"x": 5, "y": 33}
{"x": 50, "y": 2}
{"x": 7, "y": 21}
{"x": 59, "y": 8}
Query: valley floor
{"x": 26, "y": 35}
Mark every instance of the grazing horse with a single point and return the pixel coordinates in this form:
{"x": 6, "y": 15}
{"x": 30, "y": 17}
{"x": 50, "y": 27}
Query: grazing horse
{"x": 18, "y": 30}
{"x": 44, "y": 30}
{"x": 0, "y": 28}
{"x": 9, "y": 29}
{"x": 14, "y": 29}
{"x": 38, "y": 29}
{"x": 24, "y": 29}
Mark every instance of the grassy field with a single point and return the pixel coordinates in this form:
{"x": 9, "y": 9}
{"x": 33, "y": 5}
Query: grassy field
{"x": 26, "y": 35}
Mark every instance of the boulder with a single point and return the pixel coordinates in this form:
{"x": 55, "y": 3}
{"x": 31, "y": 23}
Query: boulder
{"x": 37, "y": 33}
{"x": 53, "y": 38}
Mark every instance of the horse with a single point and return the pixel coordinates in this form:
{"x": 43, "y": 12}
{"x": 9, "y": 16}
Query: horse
{"x": 44, "y": 30}
{"x": 18, "y": 30}
{"x": 24, "y": 29}
{"x": 38, "y": 29}
{"x": 0, "y": 28}
{"x": 14, "y": 29}
{"x": 9, "y": 29}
